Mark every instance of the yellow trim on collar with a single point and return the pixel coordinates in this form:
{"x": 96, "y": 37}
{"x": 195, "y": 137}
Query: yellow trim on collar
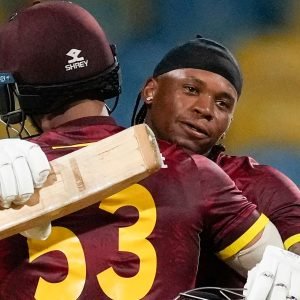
{"x": 71, "y": 146}
{"x": 291, "y": 241}
{"x": 244, "y": 239}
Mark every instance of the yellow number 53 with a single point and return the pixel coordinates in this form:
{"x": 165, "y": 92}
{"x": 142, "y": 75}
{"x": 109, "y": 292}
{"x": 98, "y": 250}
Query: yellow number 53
{"x": 131, "y": 239}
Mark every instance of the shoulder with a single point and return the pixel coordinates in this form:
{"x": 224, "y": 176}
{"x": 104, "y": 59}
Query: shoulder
{"x": 198, "y": 168}
{"x": 228, "y": 162}
{"x": 204, "y": 164}
{"x": 245, "y": 170}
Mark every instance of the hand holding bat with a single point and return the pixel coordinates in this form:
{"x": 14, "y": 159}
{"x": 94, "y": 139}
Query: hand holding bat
{"x": 76, "y": 180}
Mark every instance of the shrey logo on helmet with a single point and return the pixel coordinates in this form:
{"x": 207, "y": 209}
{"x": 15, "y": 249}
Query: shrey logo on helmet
{"x": 76, "y": 62}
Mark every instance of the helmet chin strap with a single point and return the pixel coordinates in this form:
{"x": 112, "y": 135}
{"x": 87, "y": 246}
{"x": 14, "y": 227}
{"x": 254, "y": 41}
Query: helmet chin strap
{"x": 111, "y": 110}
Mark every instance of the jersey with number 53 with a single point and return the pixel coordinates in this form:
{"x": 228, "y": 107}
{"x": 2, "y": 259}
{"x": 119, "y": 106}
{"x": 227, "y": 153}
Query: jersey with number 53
{"x": 141, "y": 243}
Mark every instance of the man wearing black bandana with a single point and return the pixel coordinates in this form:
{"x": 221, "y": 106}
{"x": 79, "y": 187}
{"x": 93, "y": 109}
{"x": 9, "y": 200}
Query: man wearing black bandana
{"x": 190, "y": 101}
{"x": 141, "y": 243}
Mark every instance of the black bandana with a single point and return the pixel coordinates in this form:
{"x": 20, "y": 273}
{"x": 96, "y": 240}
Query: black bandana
{"x": 205, "y": 54}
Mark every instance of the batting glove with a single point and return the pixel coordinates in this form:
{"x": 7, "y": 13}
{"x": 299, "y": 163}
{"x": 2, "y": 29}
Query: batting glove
{"x": 276, "y": 277}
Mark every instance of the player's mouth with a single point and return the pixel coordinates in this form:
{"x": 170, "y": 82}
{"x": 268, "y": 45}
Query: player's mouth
{"x": 196, "y": 130}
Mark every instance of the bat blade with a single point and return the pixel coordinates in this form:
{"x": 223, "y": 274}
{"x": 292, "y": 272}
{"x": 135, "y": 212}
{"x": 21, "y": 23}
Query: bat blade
{"x": 86, "y": 176}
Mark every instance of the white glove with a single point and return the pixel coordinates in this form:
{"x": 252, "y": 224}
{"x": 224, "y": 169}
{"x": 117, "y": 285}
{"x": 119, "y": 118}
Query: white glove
{"x": 276, "y": 277}
{"x": 23, "y": 167}
{"x": 38, "y": 233}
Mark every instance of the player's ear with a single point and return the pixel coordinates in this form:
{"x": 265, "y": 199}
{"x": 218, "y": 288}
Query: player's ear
{"x": 149, "y": 91}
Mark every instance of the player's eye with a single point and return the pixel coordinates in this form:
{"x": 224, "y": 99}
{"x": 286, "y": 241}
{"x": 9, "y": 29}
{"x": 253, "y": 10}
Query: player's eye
{"x": 190, "y": 89}
{"x": 224, "y": 104}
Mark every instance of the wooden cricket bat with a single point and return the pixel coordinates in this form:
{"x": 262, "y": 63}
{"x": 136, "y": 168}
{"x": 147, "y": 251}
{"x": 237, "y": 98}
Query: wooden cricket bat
{"x": 86, "y": 176}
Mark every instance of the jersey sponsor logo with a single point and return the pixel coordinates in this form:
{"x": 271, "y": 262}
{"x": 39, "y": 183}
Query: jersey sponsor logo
{"x": 76, "y": 62}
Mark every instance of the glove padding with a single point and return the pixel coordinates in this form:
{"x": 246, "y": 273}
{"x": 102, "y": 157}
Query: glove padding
{"x": 38, "y": 233}
{"x": 23, "y": 167}
{"x": 276, "y": 277}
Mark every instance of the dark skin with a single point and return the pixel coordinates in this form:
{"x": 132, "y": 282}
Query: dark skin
{"x": 190, "y": 107}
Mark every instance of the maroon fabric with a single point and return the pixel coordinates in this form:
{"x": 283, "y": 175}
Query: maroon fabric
{"x": 184, "y": 202}
{"x": 274, "y": 194}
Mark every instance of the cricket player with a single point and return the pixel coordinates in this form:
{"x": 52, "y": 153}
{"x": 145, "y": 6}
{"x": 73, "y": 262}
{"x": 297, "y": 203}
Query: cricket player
{"x": 196, "y": 87}
{"x": 141, "y": 243}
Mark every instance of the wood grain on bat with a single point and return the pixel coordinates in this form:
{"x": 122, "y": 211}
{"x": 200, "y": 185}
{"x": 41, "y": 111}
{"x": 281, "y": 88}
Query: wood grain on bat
{"x": 86, "y": 176}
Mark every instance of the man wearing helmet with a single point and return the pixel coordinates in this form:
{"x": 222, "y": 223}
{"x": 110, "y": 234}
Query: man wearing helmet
{"x": 142, "y": 242}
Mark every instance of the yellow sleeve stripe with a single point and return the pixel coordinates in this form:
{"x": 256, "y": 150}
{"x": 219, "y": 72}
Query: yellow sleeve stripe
{"x": 244, "y": 239}
{"x": 71, "y": 146}
{"x": 291, "y": 241}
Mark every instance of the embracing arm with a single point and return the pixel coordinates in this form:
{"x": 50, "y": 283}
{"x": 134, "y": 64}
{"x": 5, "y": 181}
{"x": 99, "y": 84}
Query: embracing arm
{"x": 235, "y": 228}
{"x": 275, "y": 195}
{"x": 278, "y": 197}
{"x": 295, "y": 248}
{"x": 252, "y": 253}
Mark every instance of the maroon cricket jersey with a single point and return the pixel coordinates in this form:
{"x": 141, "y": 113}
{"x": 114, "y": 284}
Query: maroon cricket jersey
{"x": 141, "y": 243}
{"x": 274, "y": 194}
